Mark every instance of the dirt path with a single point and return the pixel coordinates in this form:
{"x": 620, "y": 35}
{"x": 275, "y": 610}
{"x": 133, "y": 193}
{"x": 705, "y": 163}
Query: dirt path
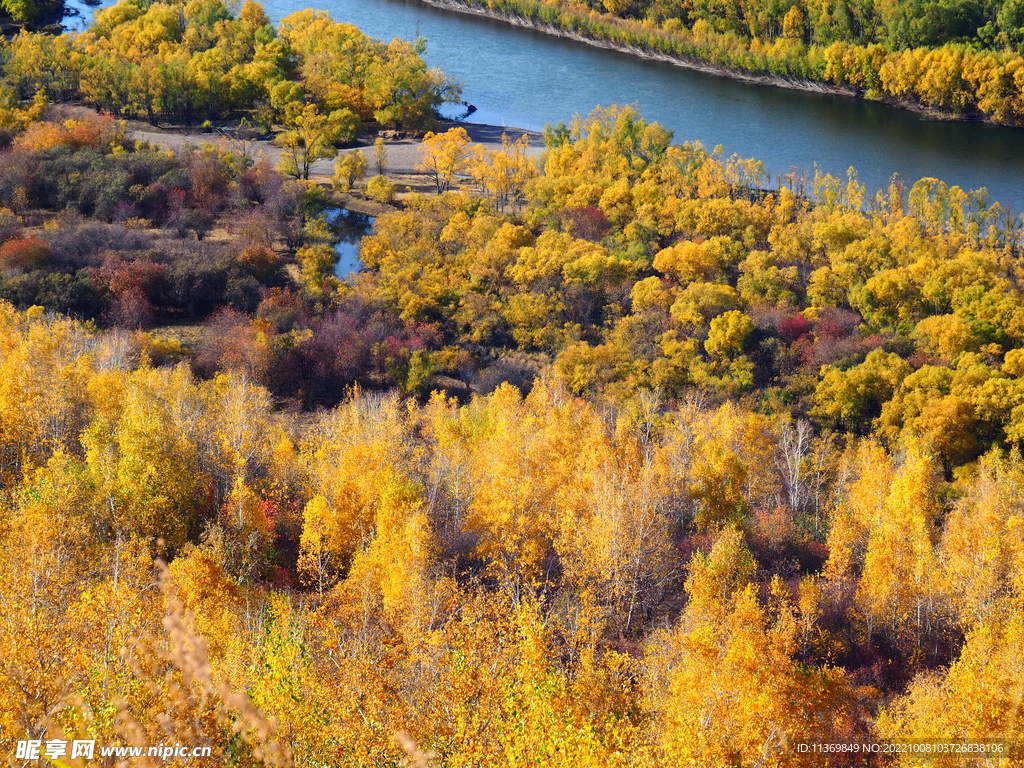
{"x": 402, "y": 154}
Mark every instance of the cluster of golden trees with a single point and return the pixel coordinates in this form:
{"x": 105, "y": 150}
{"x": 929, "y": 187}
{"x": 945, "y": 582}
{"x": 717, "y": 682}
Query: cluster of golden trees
{"x": 512, "y": 581}
{"x": 635, "y": 264}
{"x": 31, "y": 10}
{"x": 198, "y": 60}
{"x": 897, "y": 23}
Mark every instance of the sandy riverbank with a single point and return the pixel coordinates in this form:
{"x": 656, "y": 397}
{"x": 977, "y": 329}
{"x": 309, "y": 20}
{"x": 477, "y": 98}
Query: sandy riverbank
{"x": 402, "y": 154}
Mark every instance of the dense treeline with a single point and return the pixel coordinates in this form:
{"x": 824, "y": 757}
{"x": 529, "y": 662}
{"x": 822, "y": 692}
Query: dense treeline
{"x": 626, "y": 264}
{"x": 508, "y": 581}
{"x": 635, "y": 264}
{"x": 193, "y": 61}
{"x": 960, "y": 59}
{"x": 895, "y": 23}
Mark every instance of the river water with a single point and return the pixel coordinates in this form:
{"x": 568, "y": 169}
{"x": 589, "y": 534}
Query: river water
{"x": 350, "y": 228}
{"x": 518, "y": 77}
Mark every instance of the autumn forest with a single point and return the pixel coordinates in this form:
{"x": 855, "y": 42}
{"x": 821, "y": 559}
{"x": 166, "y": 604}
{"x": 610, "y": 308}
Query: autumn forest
{"x": 621, "y": 454}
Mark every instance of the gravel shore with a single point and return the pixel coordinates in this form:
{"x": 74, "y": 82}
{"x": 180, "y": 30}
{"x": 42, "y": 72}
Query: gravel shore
{"x": 402, "y": 154}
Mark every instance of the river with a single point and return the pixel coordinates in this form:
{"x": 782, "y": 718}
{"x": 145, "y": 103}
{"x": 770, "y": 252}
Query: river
{"x": 518, "y": 77}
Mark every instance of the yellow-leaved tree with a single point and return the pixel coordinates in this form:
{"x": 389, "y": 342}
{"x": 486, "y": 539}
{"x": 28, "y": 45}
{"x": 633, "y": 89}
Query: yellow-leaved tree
{"x": 614, "y": 538}
{"x": 446, "y": 157}
{"x": 898, "y": 585}
{"x": 982, "y": 548}
{"x": 143, "y": 460}
{"x": 351, "y": 456}
{"x": 504, "y": 173}
{"x": 724, "y": 688}
{"x": 978, "y": 698}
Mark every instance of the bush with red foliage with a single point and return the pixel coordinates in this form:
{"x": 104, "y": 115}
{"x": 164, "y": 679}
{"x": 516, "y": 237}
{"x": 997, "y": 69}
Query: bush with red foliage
{"x": 184, "y": 216}
{"x": 129, "y": 287}
{"x": 336, "y": 355}
{"x": 231, "y": 341}
{"x": 794, "y": 327}
{"x": 210, "y": 173}
{"x": 259, "y": 184}
{"x": 283, "y": 308}
{"x": 88, "y": 131}
{"x": 252, "y": 226}
{"x": 317, "y": 358}
{"x": 835, "y": 323}
{"x": 24, "y": 254}
{"x": 588, "y": 223}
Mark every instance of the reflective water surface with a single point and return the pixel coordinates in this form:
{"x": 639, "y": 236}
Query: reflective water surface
{"x": 350, "y": 227}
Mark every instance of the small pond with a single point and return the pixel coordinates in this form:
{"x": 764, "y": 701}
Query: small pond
{"x": 350, "y": 227}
